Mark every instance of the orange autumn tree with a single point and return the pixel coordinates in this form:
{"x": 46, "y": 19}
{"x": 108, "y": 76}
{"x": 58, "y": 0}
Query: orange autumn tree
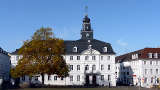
{"x": 41, "y": 55}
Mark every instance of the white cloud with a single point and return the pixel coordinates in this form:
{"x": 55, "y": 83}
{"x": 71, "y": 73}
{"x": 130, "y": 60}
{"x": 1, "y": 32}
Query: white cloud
{"x": 122, "y": 43}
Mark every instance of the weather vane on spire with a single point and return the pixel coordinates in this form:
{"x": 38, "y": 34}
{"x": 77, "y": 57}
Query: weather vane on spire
{"x": 86, "y": 10}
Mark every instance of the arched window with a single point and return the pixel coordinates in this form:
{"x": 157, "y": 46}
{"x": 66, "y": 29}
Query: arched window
{"x": 87, "y": 67}
{"x": 105, "y": 49}
{"x": 87, "y": 35}
{"x": 74, "y": 49}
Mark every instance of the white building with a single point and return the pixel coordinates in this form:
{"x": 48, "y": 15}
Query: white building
{"x": 91, "y": 62}
{"x": 141, "y": 68}
{"x": 4, "y": 65}
{"x": 14, "y": 57}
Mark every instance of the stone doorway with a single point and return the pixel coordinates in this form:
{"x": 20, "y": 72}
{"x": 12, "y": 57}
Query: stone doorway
{"x": 94, "y": 80}
{"x": 87, "y": 80}
{"x": 91, "y": 80}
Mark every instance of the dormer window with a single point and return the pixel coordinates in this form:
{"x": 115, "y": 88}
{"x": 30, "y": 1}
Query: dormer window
{"x": 155, "y": 55}
{"x": 89, "y": 46}
{"x": 150, "y": 55}
{"x": 74, "y": 49}
{"x": 89, "y": 41}
{"x": 134, "y": 56}
{"x": 105, "y": 49}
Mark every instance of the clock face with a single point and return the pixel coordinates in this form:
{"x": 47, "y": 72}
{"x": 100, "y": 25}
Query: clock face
{"x": 87, "y": 35}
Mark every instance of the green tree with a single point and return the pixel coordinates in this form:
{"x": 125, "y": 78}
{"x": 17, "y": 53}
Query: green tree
{"x": 41, "y": 55}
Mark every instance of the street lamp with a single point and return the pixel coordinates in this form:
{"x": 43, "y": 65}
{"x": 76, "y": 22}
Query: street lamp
{"x": 155, "y": 81}
{"x": 139, "y": 79}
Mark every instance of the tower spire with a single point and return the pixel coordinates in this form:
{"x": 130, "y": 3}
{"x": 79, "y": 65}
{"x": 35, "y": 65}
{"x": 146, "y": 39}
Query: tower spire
{"x": 86, "y": 32}
{"x": 86, "y": 10}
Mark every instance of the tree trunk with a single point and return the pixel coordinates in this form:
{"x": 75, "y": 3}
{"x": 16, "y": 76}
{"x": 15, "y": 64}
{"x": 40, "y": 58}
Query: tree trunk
{"x": 30, "y": 79}
{"x": 17, "y": 82}
{"x": 42, "y": 78}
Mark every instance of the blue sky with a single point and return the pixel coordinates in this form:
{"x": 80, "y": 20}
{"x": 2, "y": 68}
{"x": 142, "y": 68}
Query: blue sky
{"x": 127, "y": 24}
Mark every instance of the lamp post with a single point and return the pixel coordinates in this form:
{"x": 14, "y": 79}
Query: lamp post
{"x": 155, "y": 81}
{"x": 139, "y": 79}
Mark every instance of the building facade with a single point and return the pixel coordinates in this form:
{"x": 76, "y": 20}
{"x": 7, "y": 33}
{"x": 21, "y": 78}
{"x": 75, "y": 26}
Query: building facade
{"x": 4, "y": 65}
{"x": 91, "y": 61}
{"x": 141, "y": 68}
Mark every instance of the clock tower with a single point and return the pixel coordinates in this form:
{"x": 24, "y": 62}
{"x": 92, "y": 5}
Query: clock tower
{"x": 86, "y": 32}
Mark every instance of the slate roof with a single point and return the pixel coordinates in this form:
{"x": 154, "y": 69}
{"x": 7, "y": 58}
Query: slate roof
{"x": 15, "y": 52}
{"x": 82, "y": 44}
{"x": 142, "y": 54}
{"x": 3, "y": 51}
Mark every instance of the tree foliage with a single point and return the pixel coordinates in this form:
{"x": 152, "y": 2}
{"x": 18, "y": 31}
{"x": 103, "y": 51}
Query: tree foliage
{"x": 41, "y": 55}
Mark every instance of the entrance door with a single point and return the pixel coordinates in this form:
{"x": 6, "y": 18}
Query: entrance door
{"x": 87, "y": 79}
{"x": 94, "y": 80}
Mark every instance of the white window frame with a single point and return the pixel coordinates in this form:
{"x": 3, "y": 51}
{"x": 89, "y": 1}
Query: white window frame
{"x": 78, "y": 77}
{"x": 78, "y": 57}
{"x": 149, "y": 55}
{"x": 102, "y": 67}
{"x": 74, "y": 49}
{"x": 109, "y": 67}
{"x": 86, "y": 57}
{"x": 71, "y": 78}
{"x": 109, "y": 77}
{"x": 86, "y": 67}
{"x": 157, "y": 71}
{"x": 155, "y": 55}
{"x": 55, "y": 78}
{"x": 101, "y": 57}
{"x": 105, "y": 49}
{"x": 93, "y": 67}
{"x": 78, "y": 67}
{"x": 93, "y": 57}
{"x": 102, "y": 77}
{"x": 71, "y": 57}
{"x": 49, "y": 77}
{"x": 71, "y": 67}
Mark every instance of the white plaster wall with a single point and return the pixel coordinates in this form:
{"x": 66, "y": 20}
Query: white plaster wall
{"x": 149, "y": 75}
{"x": 138, "y": 67}
{"x": 82, "y": 62}
{"x": 14, "y": 60}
